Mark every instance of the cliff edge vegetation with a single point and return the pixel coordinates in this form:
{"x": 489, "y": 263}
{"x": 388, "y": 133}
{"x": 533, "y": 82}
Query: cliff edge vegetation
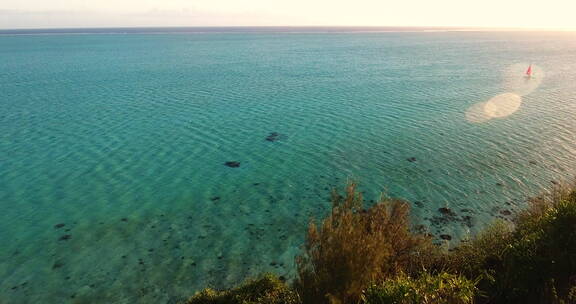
{"x": 373, "y": 256}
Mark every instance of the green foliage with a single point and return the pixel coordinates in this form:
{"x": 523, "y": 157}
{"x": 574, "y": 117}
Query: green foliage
{"x": 354, "y": 247}
{"x": 533, "y": 263}
{"x": 542, "y": 254}
{"x": 443, "y": 288}
{"x": 266, "y": 290}
{"x": 482, "y": 256}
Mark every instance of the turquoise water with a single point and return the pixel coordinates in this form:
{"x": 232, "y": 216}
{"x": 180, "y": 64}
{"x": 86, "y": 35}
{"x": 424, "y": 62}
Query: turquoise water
{"x": 123, "y": 139}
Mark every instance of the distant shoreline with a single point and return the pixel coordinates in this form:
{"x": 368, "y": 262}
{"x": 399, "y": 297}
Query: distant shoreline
{"x": 259, "y": 29}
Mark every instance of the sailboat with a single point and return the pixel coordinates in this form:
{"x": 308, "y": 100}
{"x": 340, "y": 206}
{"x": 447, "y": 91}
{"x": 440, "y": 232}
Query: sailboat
{"x": 529, "y": 71}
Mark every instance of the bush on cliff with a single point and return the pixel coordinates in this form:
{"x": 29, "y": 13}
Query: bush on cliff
{"x": 533, "y": 261}
{"x": 265, "y": 290}
{"x": 354, "y": 247}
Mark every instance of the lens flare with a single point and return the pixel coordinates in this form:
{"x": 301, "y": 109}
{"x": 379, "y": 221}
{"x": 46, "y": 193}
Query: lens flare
{"x": 502, "y": 105}
{"x": 499, "y": 106}
{"x": 476, "y": 113}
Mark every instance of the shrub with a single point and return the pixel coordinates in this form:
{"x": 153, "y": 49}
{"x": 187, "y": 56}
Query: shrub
{"x": 533, "y": 263}
{"x": 266, "y": 290}
{"x": 354, "y": 247}
{"x": 481, "y": 258}
{"x": 541, "y": 260}
{"x": 442, "y": 288}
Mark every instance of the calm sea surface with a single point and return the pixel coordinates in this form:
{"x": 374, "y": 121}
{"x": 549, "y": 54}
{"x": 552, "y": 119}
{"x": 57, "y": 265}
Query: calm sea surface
{"x": 113, "y": 187}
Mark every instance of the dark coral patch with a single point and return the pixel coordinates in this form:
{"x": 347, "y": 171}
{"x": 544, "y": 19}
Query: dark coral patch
{"x": 232, "y": 164}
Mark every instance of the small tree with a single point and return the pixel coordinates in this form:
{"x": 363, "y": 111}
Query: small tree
{"x": 354, "y": 247}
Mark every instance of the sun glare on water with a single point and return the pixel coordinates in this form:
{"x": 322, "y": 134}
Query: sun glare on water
{"x": 517, "y": 84}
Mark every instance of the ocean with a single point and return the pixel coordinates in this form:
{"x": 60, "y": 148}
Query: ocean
{"x": 141, "y": 165}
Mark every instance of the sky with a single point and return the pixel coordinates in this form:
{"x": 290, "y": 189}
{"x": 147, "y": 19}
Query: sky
{"x": 547, "y": 14}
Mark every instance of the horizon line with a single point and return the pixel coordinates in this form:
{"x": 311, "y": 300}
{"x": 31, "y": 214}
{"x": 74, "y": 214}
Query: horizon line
{"x": 440, "y": 27}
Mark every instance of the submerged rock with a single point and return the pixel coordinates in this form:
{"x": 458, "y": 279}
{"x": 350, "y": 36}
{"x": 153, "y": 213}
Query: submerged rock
{"x": 447, "y": 211}
{"x": 445, "y": 237}
{"x": 274, "y": 136}
{"x": 57, "y": 265}
{"x": 441, "y": 221}
{"x": 467, "y": 221}
{"x": 232, "y": 164}
{"x": 65, "y": 237}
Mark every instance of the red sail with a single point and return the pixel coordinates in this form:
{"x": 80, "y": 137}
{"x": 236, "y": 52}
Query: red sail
{"x": 529, "y": 71}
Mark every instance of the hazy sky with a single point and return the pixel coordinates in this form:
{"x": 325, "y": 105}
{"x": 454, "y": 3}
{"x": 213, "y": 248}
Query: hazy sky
{"x": 102, "y": 13}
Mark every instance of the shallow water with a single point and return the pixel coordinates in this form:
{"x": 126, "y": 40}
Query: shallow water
{"x": 123, "y": 138}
